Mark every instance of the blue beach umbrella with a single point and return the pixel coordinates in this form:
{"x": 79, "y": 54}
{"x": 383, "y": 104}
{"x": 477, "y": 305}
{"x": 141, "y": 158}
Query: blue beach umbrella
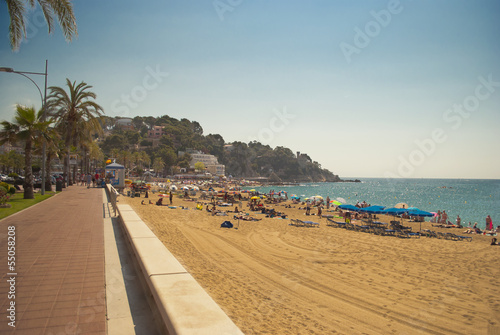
{"x": 349, "y": 207}
{"x": 372, "y": 209}
{"x": 394, "y": 211}
{"x": 419, "y": 212}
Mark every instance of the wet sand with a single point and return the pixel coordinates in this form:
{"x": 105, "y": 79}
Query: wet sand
{"x": 274, "y": 278}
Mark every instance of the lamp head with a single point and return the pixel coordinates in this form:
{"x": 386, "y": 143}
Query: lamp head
{"x": 6, "y": 69}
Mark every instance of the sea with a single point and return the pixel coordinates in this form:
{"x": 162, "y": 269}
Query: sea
{"x": 472, "y": 199}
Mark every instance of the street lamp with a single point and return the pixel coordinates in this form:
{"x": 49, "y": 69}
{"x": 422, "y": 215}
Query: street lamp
{"x": 44, "y": 113}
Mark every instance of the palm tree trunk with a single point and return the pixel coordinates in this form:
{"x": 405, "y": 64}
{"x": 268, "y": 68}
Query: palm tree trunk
{"x": 28, "y": 171}
{"x": 68, "y": 145}
{"x": 48, "y": 178}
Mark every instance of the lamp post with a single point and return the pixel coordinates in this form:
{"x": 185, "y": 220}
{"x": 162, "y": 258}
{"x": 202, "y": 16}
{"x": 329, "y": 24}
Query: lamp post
{"x": 44, "y": 112}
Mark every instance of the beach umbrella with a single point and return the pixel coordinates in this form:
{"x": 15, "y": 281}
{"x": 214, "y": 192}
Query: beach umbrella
{"x": 253, "y": 190}
{"x": 163, "y": 195}
{"x": 394, "y": 211}
{"x": 335, "y": 202}
{"x": 421, "y": 213}
{"x": 349, "y": 207}
{"x": 342, "y": 200}
{"x": 413, "y": 209}
{"x": 316, "y": 197}
{"x": 254, "y": 198}
{"x": 401, "y": 205}
{"x": 372, "y": 209}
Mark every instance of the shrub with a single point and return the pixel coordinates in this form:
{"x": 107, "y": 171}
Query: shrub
{"x": 4, "y": 195}
{"x": 13, "y": 175}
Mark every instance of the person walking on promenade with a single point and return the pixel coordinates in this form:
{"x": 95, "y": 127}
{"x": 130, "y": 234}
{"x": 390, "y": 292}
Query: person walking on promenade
{"x": 89, "y": 180}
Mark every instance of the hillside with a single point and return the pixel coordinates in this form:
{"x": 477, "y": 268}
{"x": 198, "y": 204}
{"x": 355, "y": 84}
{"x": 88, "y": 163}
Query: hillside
{"x": 142, "y": 141}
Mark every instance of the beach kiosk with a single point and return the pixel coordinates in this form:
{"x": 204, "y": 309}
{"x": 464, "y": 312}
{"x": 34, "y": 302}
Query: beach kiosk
{"x": 115, "y": 173}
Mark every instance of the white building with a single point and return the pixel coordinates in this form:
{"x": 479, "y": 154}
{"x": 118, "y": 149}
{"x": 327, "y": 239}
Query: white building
{"x": 216, "y": 169}
{"x": 210, "y": 161}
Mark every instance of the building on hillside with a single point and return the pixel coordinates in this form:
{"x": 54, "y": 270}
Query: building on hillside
{"x": 210, "y": 161}
{"x": 303, "y": 157}
{"x": 124, "y": 123}
{"x": 216, "y": 169}
{"x": 156, "y": 132}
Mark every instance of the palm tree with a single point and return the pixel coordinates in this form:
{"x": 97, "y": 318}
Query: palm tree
{"x": 125, "y": 155}
{"x": 61, "y": 9}
{"x": 72, "y": 108}
{"x": 115, "y": 152}
{"x": 158, "y": 165}
{"x": 95, "y": 153}
{"x": 28, "y": 127}
{"x": 53, "y": 148}
{"x": 146, "y": 160}
{"x": 83, "y": 138}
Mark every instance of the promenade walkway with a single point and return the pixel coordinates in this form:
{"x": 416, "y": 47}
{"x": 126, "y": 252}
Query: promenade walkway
{"x": 59, "y": 266}
{"x": 73, "y": 273}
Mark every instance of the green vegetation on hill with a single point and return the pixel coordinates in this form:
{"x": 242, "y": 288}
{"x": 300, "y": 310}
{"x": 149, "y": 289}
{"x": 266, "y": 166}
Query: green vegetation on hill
{"x": 254, "y": 159}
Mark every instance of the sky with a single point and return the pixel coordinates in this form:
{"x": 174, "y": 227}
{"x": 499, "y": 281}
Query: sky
{"x": 399, "y": 89}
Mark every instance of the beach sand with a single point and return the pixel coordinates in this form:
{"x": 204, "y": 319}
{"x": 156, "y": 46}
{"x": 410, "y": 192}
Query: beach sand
{"x": 274, "y": 278}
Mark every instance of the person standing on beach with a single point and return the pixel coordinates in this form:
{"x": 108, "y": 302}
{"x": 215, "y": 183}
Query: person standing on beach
{"x": 459, "y": 222}
{"x": 489, "y": 223}
{"x": 327, "y": 202}
{"x": 170, "y": 197}
{"x": 444, "y": 217}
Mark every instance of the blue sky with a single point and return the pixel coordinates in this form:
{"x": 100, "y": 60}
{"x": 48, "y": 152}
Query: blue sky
{"x": 366, "y": 88}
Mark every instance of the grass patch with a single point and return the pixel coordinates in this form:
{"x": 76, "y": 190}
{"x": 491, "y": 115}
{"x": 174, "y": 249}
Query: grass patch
{"x": 18, "y": 203}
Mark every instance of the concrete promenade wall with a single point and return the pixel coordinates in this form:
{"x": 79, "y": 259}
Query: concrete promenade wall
{"x": 184, "y": 306}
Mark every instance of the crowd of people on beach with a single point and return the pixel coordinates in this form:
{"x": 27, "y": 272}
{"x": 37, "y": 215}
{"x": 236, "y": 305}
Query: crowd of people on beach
{"x": 262, "y": 204}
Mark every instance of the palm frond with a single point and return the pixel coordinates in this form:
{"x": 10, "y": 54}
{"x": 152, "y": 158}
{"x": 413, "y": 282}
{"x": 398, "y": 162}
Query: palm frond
{"x": 47, "y": 12}
{"x": 17, "y": 27}
{"x": 63, "y": 9}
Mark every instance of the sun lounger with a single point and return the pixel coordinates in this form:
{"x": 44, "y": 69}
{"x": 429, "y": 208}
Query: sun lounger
{"x": 406, "y": 234}
{"x": 454, "y": 237}
{"x": 310, "y": 224}
{"x": 336, "y": 224}
{"x": 429, "y": 233}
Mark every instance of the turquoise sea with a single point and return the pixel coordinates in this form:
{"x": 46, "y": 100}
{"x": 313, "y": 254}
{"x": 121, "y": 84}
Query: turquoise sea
{"x": 472, "y": 199}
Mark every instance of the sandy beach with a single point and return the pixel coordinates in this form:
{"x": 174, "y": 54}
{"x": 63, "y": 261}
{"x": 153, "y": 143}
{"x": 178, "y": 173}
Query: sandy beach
{"x": 274, "y": 278}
